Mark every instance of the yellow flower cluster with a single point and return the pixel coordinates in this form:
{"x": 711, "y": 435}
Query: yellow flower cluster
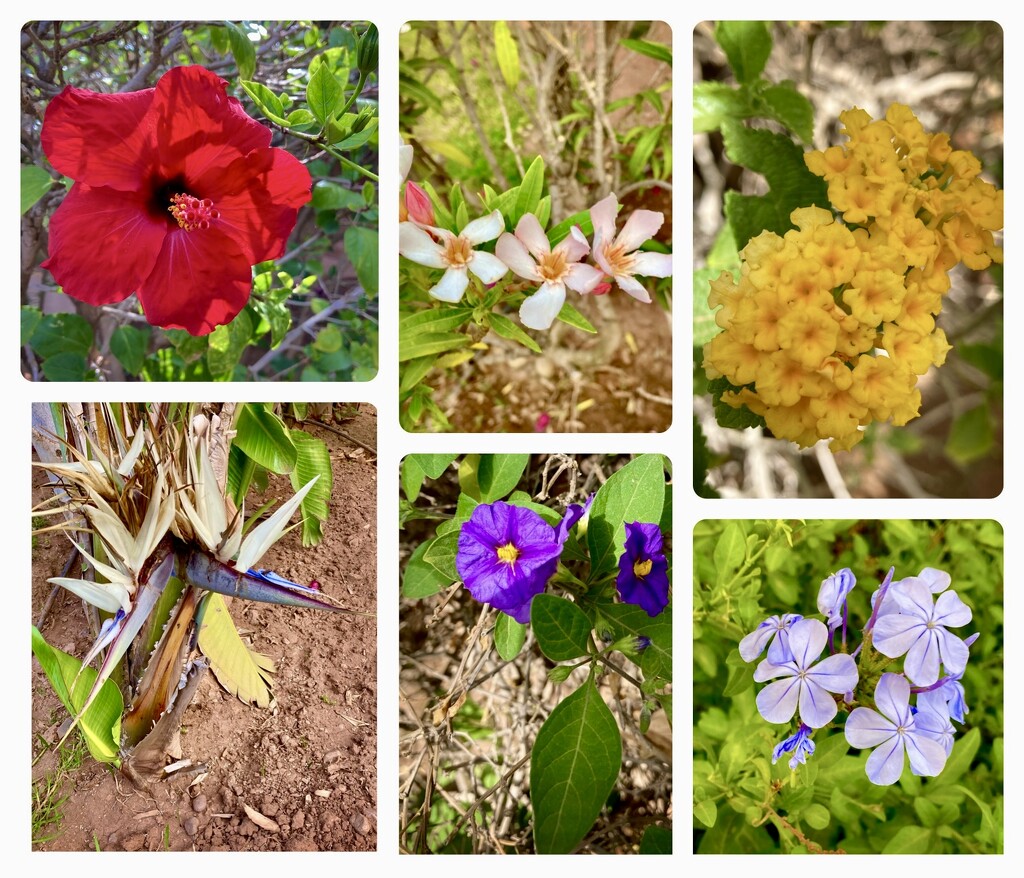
{"x": 830, "y": 325}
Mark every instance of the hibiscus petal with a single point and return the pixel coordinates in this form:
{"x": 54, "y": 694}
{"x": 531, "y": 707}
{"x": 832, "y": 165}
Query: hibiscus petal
{"x": 885, "y": 764}
{"x": 512, "y": 252}
{"x": 528, "y": 231}
{"x": 103, "y": 243}
{"x": 488, "y": 267}
{"x": 200, "y": 281}
{"x": 486, "y": 228}
{"x": 417, "y": 246}
{"x": 641, "y": 226}
{"x": 817, "y": 707}
{"x": 258, "y": 197}
{"x": 452, "y": 285}
{"x": 100, "y": 139}
{"x": 867, "y": 728}
{"x": 652, "y": 264}
{"x": 777, "y": 701}
{"x": 540, "y": 310}
{"x": 198, "y": 126}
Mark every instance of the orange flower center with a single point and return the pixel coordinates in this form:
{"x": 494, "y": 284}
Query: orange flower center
{"x": 553, "y": 266}
{"x": 618, "y": 259}
{"x": 642, "y": 568}
{"x": 457, "y": 251}
{"x": 192, "y": 213}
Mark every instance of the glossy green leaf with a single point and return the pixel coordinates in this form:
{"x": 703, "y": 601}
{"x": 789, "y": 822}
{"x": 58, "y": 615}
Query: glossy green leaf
{"x": 242, "y": 49}
{"x": 427, "y": 343}
{"x": 562, "y": 629}
{"x": 747, "y": 45}
{"x": 706, "y": 812}
{"x": 441, "y": 554}
{"x": 570, "y": 315}
{"x": 416, "y": 467}
{"x": 507, "y": 329}
{"x": 312, "y": 459}
{"x": 35, "y": 183}
{"x": 530, "y": 191}
{"x": 421, "y": 579}
{"x": 323, "y": 93}
{"x": 262, "y": 435}
{"x": 498, "y": 474}
{"x": 129, "y": 345}
{"x": 509, "y": 636}
{"x": 268, "y": 102}
{"x": 574, "y": 765}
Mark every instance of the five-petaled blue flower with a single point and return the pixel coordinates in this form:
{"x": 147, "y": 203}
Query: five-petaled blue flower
{"x": 806, "y": 684}
{"x": 799, "y": 744}
{"x": 507, "y": 553}
{"x": 643, "y": 568}
{"x": 774, "y": 629}
{"x": 895, "y": 731}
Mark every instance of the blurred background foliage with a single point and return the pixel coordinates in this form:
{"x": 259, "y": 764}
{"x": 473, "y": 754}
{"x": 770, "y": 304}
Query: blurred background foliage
{"x": 313, "y": 312}
{"x": 951, "y": 75}
{"x": 746, "y": 571}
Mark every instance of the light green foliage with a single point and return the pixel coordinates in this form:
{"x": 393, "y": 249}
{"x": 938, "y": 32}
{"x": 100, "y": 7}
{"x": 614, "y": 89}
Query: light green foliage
{"x": 745, "y": 571}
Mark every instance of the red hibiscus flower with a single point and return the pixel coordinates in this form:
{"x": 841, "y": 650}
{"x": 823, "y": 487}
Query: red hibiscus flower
{"x": 177, "y": 195}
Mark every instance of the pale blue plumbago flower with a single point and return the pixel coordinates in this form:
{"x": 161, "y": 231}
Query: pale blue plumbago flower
{"x": 774, "y": 629}
{"x": 799, "y": 744}
{"x": 953, "y": 692}
{"x": 807, "y": 684}
{"x": 932, "y": 717}
{"x": 894, "y": 732}
{"x": 919, "y": 631}
{"x": 936, "y": 581}
{"x": 832, "y": 596}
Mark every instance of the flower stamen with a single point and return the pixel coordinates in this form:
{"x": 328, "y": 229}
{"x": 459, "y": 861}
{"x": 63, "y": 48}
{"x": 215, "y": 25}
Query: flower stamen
{"x": 642, "y": 568}
{"x": 192, "y": 213}
{"x": 507, "y": 554}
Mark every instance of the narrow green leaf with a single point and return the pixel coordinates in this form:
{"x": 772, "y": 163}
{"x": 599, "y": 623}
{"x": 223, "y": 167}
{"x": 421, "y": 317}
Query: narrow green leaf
{"x": 323, "y": 93}
{"x": 570, "y": 315}
{"x": 262, "y": 435}
{"x": 428, "y": 343}
{"x": 35, "y": 183}
{"x": 574, "y": 765}
{"x": 730, "y": 551}
{"x": 440, "y": 319}
{"x": 643, "y": 150}
{"x": 507, "y": 52}
{"x": 529, "y": 191}
{"x": 562, "y": 629}
{"x": 507, "y": 329}
{"x": 509, "y": 636}
{"x": 498, "y": 474}
{"x": 657, "y": 51}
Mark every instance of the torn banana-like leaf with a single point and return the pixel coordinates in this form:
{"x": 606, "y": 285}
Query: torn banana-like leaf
{"x": 241, "y": 671}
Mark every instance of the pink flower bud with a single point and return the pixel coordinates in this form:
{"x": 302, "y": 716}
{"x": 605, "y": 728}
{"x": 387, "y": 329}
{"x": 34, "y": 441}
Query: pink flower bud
{"x": 418, "y": 206}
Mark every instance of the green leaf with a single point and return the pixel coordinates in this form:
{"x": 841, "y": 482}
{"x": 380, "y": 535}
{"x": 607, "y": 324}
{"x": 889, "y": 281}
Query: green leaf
{"x": 242, "y": 672}
{"x": 226, "y": 344}
{"x": 971, "y": 436}
{"x": 428, "y": 343}
{"x": 312, "y": 459}
{"x": 657, "y": 51}
{"x": 507, "y": 329}
{"x": 817, "y": 816}
{"x": 791, "y": 184}
{"x": 706, "y": 812}
{"x": 509, "y": 636}
{"x": 634, "y": 493}
{"x": 416, "y": 467}
{"x": 581, "y": 219}
{"x": 909, "y": 840}
{"x": 498, "y": 474}
{"x": 792, "y": 109}
{"x": 714, "y": 102}
{"x": 574, "y": 765}
{"x": 441, "y": 554}
{"x": 570, "y": 315}
{"x": 643, "y": 150}
{"x": 656, "y": 840}
{"x": 101, "y": 723}
{"x": 323, "y": 93}
{"x": 507, "y": 52}
{"x": 730, "y": 552}
{"x": 361, "y": 248}
{"x": 262, "y": 435}
{"x": 747, "y": 45}
{"x": 35, "y": 183}
{"x": 66, "y": 367}
{"x": 629, "y": 619}
{"x": 960, "y": 759}
{"x": 529, "y": 191}
{"x": 268, "y": 102}
{"x": 421, "y": 579}
{"x": 129, "y": 345}
{"x": 562, "y": 629}
{"x": 242, "y": 49}
{"x": 330, "y": 196}
{"x": 62, "y": 334}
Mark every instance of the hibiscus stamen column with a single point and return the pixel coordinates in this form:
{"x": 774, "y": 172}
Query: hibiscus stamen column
{"x": 193, "y": 213}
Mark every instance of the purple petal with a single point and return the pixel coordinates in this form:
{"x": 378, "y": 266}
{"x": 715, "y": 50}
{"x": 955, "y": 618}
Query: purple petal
{"x": 953, "y": 650}
{"x": 892, "y": 696}
{"x": 837, "y": 673}
{"x": 951, "y": 611}
{"x": 927, "y": 757}
{"x": 885, "y": 764}
{"x": 777, "y": 701}
{"x": 922, "y": 662}
{"x": 867, "y": 728}
{"x": 896, "y": 633}
{"x": 754, "y": 643}
{"x": 914, "y": 598}
{"x": 817, "y": 707}
{"x": 807, "y": 639}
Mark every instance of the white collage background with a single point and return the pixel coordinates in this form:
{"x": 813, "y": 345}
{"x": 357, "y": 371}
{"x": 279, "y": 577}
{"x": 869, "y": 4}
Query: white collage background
{"x": 394, "y": 443}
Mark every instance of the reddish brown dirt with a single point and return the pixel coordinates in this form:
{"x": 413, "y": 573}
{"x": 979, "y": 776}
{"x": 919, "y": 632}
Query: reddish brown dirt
{"x": 309, "y": 762}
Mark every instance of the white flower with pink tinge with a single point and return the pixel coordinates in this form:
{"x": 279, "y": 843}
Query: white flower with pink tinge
{"x": 618, "y": 256}
{"x": 455, "y": 254}
{"x": 530, "y": 255}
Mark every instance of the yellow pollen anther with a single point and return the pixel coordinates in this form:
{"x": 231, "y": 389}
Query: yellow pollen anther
{"x": 508, "y": 553}
{"x": 553, "y": 267}
{"x": 192, "y": 213}
{"x": 642, "y": 568}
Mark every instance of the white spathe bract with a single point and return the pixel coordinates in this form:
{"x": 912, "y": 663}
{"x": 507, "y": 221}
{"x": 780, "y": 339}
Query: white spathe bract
{"x": 265, "y": 534}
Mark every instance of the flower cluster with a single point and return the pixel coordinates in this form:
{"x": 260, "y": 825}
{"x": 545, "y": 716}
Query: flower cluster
{"x": 829, "y": 326}
{"x": 910, "y": 618}
{"x": 508, "y": 553}
{"x": 528, "y": 253}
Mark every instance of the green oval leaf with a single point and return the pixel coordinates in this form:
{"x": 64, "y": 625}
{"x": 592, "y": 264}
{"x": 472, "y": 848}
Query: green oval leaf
{"x": 706, "y": 812}
{"x": 498, "y": 474}
{"x": 35, "y": 183}
{"x": 909, "y": 840}
{"x": 575, "y": 761}
{"x": 268, "y": 102}
{"x": 440, "y": 553}
{"x": 242, "y": 49}
{"x": 421, "y": 580}
{"x": 361, "y": 249}
{"x": 730, "y": 551}
{"x": 747, "y": 45}
{"x": 561, "y": 628}
{"x": 129, "y": 345}
{"x": 509, "y": 636}
{"x": 323, "y": 92}
{"x": 817, "y": 816}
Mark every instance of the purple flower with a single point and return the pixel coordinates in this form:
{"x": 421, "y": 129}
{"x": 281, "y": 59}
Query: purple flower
{"x": 774, "y": 629}
{"x": 643, "y": 569}
{"x": 892, "y": 733}
{"x": 506, "y": 554}
{"x": 934, "y": 580}
{"x": 806, "y": 684}
{"x": 932, "y": 717}
{"x": 953, "y": 693}
{"x": 832, "y": 596}
{"x": 919, "y": 631}
{"x": 800, "y": 745}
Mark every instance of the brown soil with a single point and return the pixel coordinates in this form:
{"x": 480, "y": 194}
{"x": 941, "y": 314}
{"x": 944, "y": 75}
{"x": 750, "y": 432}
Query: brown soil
{"x": 617, "y": 381}
{"x": 309, "y": 762}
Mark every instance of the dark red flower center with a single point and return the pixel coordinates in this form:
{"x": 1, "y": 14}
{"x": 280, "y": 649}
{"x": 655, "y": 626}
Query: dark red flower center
{"x": 192, "y": 213}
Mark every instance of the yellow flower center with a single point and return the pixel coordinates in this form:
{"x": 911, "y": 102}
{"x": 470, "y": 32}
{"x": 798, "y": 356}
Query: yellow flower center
{"x": 457, "y": 251}
{"x": 642, "y": 568}
{"x": 507, "y": 554}
{"x": 619, "y": 260}
{"x": 553, "y": 266}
